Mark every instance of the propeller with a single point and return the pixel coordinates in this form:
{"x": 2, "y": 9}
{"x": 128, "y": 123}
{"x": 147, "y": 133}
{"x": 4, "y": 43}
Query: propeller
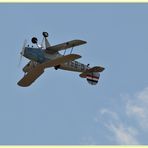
{"x": 22, "y": 51}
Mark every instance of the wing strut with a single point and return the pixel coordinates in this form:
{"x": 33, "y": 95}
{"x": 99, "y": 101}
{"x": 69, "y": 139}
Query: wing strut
{"x": 64, "y": 52}
{"x": 71, "y": 50}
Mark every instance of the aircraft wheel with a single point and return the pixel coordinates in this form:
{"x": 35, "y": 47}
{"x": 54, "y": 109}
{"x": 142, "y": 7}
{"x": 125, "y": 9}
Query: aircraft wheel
{"x": 57, "y": 67}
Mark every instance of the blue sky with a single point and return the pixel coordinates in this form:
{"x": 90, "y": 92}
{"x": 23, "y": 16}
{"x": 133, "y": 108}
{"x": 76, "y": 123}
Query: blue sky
{"x": 60, "y": 107}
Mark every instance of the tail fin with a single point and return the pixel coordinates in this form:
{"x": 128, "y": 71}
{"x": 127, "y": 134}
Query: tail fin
{"x": 92, "y": 75}
{"x": 92, "y": 78}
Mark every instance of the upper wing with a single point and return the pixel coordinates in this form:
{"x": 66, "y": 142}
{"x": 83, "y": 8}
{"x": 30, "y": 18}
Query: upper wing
{"x": 32, "y": 75}
{"x": 66, "y": 45}
{"x": 94, "y": 69}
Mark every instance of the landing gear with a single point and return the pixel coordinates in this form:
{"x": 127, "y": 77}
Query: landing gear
{"x": 34, "y": 40}
{"x": 45, "y": 34}
{"x": 57, "y": 67}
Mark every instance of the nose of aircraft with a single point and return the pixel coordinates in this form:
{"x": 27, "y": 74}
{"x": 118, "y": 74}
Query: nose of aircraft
{"x": 22, "y": 51}
{"x": 23, "y": 48}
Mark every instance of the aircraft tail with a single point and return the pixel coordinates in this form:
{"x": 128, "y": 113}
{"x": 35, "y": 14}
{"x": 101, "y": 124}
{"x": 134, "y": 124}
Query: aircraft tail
{"x": 92, "y": 75}
{"x": 93, "y": 78}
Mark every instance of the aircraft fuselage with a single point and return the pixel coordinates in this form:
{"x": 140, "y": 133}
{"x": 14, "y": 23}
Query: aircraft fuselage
{"x": 40, "y": 56}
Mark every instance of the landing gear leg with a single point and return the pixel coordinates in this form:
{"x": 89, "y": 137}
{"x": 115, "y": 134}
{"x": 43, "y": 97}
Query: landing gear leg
{"x": 57, "y": 67}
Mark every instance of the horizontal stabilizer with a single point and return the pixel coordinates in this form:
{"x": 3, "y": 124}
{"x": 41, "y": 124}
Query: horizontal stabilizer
{"x": 94, "y": 69}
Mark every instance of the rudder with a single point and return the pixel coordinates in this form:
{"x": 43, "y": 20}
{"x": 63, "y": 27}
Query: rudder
{"x": 93, "y": 78}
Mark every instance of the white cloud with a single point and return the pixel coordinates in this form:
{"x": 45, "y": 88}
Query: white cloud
{"x": 143, "y": 96}
{"x": 123, "y": 135}
{"x": 120, "y": 134}
{"x": 110, "y": 113}
{"x": 106, "y": 114}
{"x": 119, "y": 127}
{"x": 137, "y": 108}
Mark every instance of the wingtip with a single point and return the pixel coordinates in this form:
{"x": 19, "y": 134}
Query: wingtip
{"x": 84, "y": 42}
{"x": 101, "y": 68}
{"x": 77, "y": 56}
{"x": 21, "y": 84}
{"x": 81, "y": 41}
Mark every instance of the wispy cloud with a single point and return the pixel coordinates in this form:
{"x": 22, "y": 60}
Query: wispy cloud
{"x": 137, "y": 108}
{"x": 120, "y": 134}
{"x": 143, "y": 96}
{"x": 134, "y": 109}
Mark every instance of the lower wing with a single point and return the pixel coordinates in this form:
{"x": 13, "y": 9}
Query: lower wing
{"x": 32, "y": 75}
